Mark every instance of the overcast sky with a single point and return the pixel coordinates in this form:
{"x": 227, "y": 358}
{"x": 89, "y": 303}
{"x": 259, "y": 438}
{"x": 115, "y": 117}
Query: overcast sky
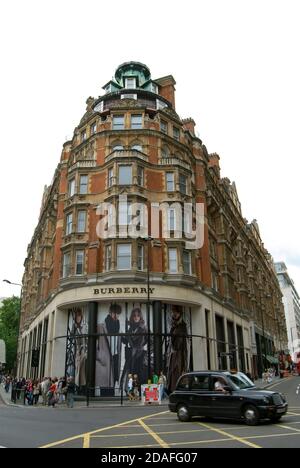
{"x": 236, "y": 64}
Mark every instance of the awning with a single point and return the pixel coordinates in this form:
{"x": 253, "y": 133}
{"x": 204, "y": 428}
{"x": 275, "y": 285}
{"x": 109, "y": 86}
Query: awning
{"x": 271, "y": 359}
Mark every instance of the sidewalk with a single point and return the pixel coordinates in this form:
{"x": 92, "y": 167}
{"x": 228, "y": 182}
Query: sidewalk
{"x": 6, "y": 397}
{"x": 81, "y": 403}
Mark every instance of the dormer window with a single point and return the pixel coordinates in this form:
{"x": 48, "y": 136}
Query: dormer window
{"x": 129, "y": 96}
{"x": 83, "y": 136}
{"x": 108, "y": 88}
{"x": 160, "y": 104}
{"x": 130, "y": 83}
{"x": 153, "y": 88}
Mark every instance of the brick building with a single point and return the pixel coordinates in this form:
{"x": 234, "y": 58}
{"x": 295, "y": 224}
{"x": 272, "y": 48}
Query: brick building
{"x": 87, "y": 295}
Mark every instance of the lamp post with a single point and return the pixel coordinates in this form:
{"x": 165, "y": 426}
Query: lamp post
{"x": 16, "y": 284}
{"x": 148, "y": 239}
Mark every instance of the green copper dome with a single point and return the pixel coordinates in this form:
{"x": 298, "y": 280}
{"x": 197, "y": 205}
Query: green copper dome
{"x": 132, "y": 70}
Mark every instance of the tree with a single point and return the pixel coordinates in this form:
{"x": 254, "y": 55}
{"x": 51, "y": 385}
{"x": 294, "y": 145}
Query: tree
{"x": 9, "y": 328}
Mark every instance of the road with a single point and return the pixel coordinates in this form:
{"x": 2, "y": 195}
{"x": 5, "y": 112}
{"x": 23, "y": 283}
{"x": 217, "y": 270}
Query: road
{"x": 148, "y": 427}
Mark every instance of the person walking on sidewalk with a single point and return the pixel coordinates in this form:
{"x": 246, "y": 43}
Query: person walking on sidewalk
{"x": 70, "y": 392}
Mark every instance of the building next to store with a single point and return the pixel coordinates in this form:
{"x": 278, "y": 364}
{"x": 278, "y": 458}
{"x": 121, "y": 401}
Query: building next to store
{"x": 101, "y": 306}
{"x": 291, "y": 301}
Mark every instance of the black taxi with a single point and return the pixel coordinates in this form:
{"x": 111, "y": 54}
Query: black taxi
{"x": 225, "y": 395}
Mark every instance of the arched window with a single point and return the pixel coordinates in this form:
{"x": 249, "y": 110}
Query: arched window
{"x": 117, "y": 145}
{"x": 136, "y": 145}
{"x": 165, "y": 152}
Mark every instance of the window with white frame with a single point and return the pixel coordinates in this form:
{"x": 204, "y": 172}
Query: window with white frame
{"x": 171, "y": 219}
{"x": 69, "y": 224}
{"x": 71, "y": 189}
{"x": 81, "y": 221}
{"x": 124, "y": 257}
{"x": 79, "y": 266}
{"x": 125, "y": 175}
{"x": 163, "y": 126}
{"x": 182, "y": 184}
{"x": 108, "y": 257}
{"x": 176, "y": 133}
{"x": 187, "y": 262}
{"x": 111, "y": 216}
{"x": 140, "y": 258}
{"x": 129, "y": 96}
{"x": 93, "y": 128}
{"x": 173, "y": 260}
{"x": 153, "y": 88}
{"x": 83, "y": 184}
{"x": 118, "y": 148}
{"x": 83, "y": 135}
{"x": 137, "y": 148}
{"x": 160, "y": 104}
{"x": 165, "y": 152}
{"x": 170, "y": 181}
{"x": 187, "y": 220}
{"x": 130, "y": 83}
{"x": 110, "y": 177}
{"x": 118, "y": 122}
{"x": 140, "y": 176}
{"x": 125, "y": 213}
{"x": 136, "y": 121}
{"x": 215, "y": 281}
{"x": 66, "y": 265}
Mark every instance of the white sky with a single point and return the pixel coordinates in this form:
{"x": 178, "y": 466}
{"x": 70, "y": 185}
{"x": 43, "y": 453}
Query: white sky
{"x": 236, "y": 64}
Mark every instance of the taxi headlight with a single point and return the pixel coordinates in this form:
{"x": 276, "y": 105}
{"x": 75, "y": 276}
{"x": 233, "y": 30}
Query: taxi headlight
{"x": 284, "y": 398}
{"x": 267, "y": 400}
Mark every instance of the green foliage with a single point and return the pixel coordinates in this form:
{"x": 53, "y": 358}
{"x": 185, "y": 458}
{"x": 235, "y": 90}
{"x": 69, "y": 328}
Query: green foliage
{"x": 9, "y": 327}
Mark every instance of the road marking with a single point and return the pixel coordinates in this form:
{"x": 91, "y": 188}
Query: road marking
{"x": 276, "y": 384}
{"x": 293, "y": 414}
{"x": 81, "y": 436}
{"x": 86, "y": 441}
{"x": 155, "y": 436}
{"x": 210, "y": 441}
{"x": 289, "y": 428}
{"x": 233, "y": 437}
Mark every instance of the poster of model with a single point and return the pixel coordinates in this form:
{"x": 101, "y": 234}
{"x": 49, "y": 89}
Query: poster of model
{"x": 121, "y": 346}
{"x": 178, "y": 343}
{"x": 77, "y": 342}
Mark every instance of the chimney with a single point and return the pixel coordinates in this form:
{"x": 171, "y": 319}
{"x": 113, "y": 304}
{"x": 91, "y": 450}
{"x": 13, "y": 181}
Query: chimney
{"x": 167, "y": 88}
{"x": 189, "y": 124}
{"x": 214, "y": 163}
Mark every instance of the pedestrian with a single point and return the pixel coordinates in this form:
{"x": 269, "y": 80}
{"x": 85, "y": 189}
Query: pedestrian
{"x": 70, "y": 392}
{"x": 130, "y": 387}
{"x": 52, "y": 396}
{"x": 136, "y": 385}
{"x": 162, "y": 386}
{"x": 36, "y": 392}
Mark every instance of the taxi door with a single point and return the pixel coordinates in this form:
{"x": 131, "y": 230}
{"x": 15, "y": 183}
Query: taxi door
{"x": 223, "y": 404}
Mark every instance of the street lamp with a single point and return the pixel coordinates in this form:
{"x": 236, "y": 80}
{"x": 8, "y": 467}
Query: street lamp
{"x": 10, "y": 282}
{"x": 16, "y": 284}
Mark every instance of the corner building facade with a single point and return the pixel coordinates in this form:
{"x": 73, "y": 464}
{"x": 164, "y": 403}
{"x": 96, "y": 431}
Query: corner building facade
{"x": 101, "y": 306}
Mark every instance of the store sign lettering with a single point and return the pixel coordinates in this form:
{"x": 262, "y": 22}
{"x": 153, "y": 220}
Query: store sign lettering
{"x": 128, "y": 290}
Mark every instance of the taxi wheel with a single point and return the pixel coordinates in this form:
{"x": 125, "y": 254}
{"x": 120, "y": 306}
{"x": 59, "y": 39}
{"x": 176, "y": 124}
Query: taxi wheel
{"x": 251, "y": 415}
{"x": 183, "y": 413}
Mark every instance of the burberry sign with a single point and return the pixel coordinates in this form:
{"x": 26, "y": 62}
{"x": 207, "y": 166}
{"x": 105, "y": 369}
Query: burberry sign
{"x": 125, "y": 290}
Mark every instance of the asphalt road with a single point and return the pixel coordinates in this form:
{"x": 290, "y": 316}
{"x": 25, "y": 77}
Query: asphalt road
{"x": 148, "y": 427}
